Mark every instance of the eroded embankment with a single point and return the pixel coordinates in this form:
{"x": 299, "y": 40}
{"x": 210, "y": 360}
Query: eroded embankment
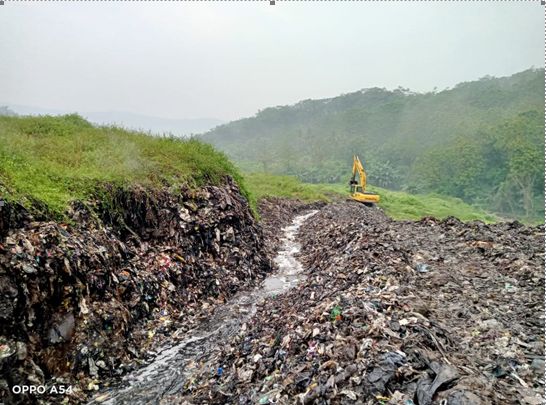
{"x": 395, "y": 312}
{"x": 83, "y": 303}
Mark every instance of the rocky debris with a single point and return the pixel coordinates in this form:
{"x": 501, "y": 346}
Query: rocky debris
{"x": 394, "y": 312}
{"x": 83, "y": 303}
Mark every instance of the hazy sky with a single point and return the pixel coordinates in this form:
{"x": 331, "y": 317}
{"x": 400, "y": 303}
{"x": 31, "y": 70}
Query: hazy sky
{"x": 229, "y": 59}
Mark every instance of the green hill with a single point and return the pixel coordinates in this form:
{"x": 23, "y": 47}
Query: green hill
{"x": 397, "y": 133}
{"x": 49, "y": 161}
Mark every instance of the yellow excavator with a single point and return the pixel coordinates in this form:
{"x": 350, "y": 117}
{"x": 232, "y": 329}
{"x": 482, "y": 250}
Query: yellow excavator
{"x": 358, "y": 188}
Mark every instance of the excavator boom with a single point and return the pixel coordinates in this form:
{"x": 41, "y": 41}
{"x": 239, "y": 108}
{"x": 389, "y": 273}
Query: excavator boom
{"x": 358, "y": 188}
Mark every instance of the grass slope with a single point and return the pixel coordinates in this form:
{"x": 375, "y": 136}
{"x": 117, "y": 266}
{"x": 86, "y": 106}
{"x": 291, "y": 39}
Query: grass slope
{"x": 397, "y": 204}
{"x": 54, "y": 160}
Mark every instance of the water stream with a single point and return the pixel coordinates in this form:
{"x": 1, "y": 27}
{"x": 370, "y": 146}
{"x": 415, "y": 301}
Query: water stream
{"x": 167, "y": 374}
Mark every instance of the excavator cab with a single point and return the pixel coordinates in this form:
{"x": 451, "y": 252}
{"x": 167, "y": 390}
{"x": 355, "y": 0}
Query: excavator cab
{"x": 355, "y": 188}
{"x": 358, "y": 188}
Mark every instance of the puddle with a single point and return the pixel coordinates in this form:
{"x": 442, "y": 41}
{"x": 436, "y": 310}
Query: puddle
{"x": 167, "y": 374}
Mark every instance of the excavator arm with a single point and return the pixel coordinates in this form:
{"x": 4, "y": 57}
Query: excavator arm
{"x": 358, "y": 169}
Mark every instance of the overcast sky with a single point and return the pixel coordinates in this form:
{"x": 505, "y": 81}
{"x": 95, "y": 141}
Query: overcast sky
{"x": 228, "y": 60}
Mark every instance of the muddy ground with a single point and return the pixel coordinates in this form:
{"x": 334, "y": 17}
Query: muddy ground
{"x": 396, "y": 312}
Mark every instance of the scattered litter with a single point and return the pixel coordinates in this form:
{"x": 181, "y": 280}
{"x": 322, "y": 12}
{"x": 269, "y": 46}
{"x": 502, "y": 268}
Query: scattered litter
{"x": 422, "y": 268}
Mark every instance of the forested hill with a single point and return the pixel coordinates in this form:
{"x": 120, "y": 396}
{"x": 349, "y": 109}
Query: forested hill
{"x": 482, "y": 141}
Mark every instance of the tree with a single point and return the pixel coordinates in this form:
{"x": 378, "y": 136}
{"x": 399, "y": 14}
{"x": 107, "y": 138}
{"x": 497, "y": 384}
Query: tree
{"x": 5, "y": 111}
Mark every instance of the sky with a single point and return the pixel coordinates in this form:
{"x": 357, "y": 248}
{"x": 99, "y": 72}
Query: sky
{"x": 227, "y": 60}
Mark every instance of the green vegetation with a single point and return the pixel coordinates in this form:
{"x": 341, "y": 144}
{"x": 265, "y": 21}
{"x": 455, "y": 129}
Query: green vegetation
{"x": 263, "y": 185}
{"x": 481, "y": 141}
{"x": 501, "y": 168}
{"x": 397, "y": 204}
{"x": 49, "y": 161}
{"x": 401, "y": 205}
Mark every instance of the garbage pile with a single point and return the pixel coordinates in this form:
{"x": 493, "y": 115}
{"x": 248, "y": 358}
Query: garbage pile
{"x": 394, "y": 312}
{"x": 276, "y": 213}
{"x": 83, "y": 303}
{"x": 11, "y": 216}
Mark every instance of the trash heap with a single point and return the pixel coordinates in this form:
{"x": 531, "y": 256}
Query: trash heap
{"x": 276, "y": 213}
{"x": 82, "y": 303}
{"x": 11, "y": 216}
{"x": 395, "y": 312}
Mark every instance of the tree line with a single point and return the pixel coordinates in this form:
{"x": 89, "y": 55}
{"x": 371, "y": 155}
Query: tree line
{"x": 481, "y": 141}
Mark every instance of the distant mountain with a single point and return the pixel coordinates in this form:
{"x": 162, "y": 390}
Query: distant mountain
{"x": 393, "y": 131}
{"x": 179, "y": 127}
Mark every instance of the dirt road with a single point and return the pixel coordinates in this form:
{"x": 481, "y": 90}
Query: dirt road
{"x": 396, "y": 312}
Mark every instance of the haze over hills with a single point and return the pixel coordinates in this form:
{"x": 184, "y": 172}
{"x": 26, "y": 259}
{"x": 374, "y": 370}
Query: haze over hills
{"x": 482, "y": 138}
{"x": 157, "y": 125}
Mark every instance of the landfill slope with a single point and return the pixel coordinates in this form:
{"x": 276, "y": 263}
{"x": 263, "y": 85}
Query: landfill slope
{"x": 396, "y": 312}
{"x": 84, "y": 302}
